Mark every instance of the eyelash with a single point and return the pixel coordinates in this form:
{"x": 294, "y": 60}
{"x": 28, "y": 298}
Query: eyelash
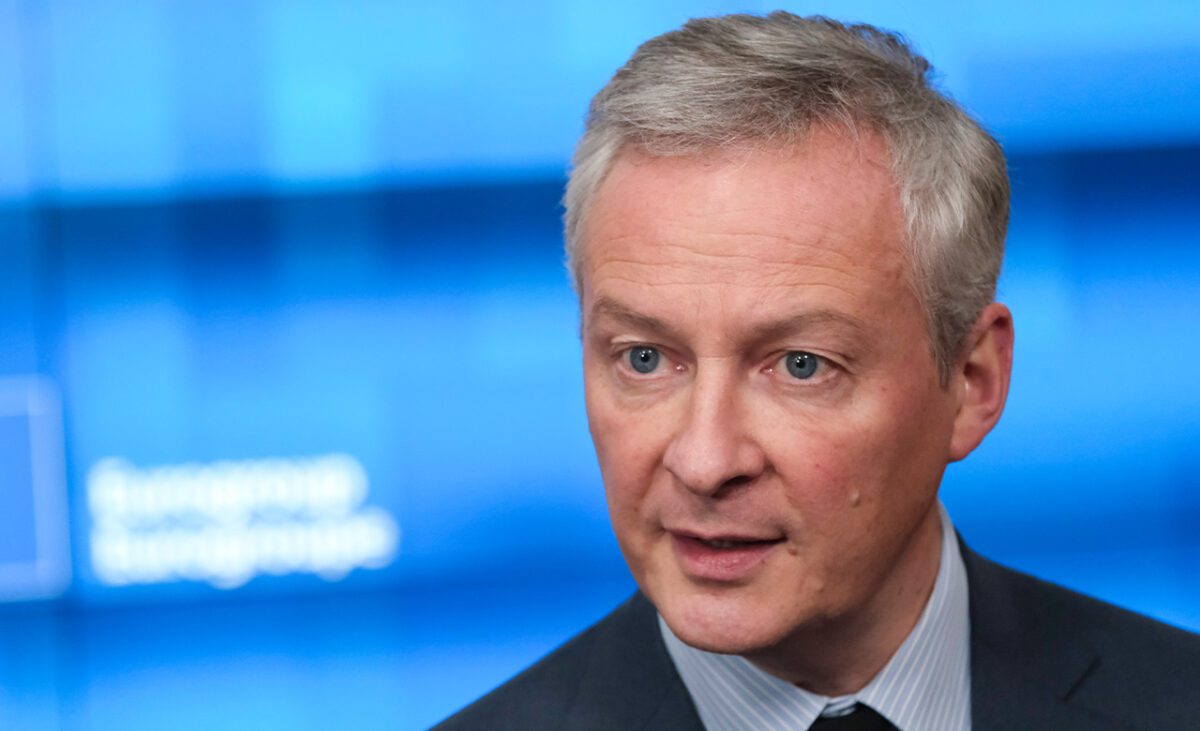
{"x": 623, "y": 358}
{"x": 827, "y": 368}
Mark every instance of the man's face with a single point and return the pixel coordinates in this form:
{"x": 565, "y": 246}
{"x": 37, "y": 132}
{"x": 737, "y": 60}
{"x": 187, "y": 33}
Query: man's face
{"x": 760, "y": 388}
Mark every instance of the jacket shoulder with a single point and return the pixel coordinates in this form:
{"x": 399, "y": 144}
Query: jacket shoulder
{"x": 608, "y": 670}
{"x": 1127, "y": 665}
{"x": 542, "y": 691}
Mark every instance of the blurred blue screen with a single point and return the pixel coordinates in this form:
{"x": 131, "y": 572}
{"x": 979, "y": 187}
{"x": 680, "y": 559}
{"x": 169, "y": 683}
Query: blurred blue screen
{"x": 17, "y": 540}
{"x": 321, "y": 458}
{"x": 34, "y": 555}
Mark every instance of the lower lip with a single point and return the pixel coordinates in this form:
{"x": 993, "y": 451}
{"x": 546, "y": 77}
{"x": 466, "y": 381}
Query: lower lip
{"x": 701, "y": 561}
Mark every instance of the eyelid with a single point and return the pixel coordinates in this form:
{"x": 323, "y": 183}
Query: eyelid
{"x": 668, "y": 362}
{"x": 828, "y": 367}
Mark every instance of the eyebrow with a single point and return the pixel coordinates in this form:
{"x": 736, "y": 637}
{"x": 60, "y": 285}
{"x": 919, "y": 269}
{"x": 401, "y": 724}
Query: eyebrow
{"x": 816, "y": 319}
{"x": 809, "y": 321}
{"x": 610, "y": 308}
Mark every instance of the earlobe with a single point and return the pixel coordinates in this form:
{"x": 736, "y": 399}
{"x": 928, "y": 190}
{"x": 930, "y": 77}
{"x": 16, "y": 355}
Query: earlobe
{"x": 982, "y": 379}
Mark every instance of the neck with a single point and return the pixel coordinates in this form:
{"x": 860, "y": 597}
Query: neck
{"x": 841, "y": 656}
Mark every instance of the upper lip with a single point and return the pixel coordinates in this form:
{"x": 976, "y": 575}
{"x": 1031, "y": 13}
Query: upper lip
{"x": 739, "y": 537}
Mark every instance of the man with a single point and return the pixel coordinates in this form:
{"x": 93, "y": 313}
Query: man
{"x": 786, "y": 246}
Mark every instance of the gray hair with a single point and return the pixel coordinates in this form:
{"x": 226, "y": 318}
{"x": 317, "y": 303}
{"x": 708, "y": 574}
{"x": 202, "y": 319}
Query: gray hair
{"x": 738, "y": 80}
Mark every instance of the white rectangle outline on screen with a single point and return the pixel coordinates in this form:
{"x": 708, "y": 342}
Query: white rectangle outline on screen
{"x": 49, "y": 574}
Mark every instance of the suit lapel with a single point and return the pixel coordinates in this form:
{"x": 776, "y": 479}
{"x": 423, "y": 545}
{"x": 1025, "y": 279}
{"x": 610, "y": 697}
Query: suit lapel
{"x": 1005, "y": 696}
{"x": 1026, "y": 663}
{"x": 630, "y": 682}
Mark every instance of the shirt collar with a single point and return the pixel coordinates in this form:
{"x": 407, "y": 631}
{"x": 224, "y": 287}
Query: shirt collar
{"x": 925, "y": 685}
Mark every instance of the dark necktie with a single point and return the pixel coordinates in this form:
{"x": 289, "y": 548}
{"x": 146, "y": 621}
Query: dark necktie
{"x": 862, "y": 718}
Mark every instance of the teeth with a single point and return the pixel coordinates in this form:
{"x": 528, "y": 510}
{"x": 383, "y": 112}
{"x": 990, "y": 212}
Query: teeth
{"x": 723, "y": 544}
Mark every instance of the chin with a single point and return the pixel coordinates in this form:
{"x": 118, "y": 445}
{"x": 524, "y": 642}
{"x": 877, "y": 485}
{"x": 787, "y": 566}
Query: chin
{"x": 726, "y": 622}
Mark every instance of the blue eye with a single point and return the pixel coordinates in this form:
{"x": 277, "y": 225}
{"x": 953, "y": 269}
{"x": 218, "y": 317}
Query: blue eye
{"x": 644, "y": 359}
{"x": 802, "y": 364}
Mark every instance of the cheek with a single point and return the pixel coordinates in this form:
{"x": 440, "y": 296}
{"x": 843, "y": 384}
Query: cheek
{"x": 628, "y": 459}
{"x": 629, "y": 447}
{"x": 603, "y": 421}
{"x": 826, "y": 479}
{"x": 613, "y": 434}
{"x": 864, "y": 459}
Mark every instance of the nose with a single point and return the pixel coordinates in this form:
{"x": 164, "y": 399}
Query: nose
{"x": 713, "y": 451}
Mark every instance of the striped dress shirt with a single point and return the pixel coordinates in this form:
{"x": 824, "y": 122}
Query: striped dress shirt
{"x": 926, "y": 686}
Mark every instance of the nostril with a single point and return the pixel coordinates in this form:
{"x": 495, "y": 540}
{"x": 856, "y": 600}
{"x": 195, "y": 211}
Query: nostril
{"x": 732, "y": 485}
{"x": 736, "y": 482}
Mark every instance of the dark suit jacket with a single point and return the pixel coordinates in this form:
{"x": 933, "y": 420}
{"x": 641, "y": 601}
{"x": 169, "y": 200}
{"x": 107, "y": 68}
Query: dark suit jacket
{"x": 1042, "y": 657}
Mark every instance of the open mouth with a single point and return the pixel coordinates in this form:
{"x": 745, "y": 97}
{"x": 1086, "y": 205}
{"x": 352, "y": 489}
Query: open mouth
{"x": 731, "y": 543}
{"x": 724, "y": 558}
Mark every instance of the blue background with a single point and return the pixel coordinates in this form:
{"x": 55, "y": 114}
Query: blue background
{"x": 254, "y": 228}
{"x": 18, "y": 544}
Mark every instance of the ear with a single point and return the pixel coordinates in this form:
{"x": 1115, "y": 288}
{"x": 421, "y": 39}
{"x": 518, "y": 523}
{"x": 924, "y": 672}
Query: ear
{"x": 981, "y": 379}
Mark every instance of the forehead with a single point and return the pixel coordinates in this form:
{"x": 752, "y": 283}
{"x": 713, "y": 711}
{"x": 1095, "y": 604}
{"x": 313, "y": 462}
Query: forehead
{"x": 820, "y": 220}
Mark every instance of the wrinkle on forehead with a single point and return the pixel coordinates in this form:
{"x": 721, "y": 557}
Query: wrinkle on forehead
{"x": 781, "y": 262}
{"x": 732, "y": 285}
{"x": 752, "y": 231}
{"x": 818, "y": 211}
